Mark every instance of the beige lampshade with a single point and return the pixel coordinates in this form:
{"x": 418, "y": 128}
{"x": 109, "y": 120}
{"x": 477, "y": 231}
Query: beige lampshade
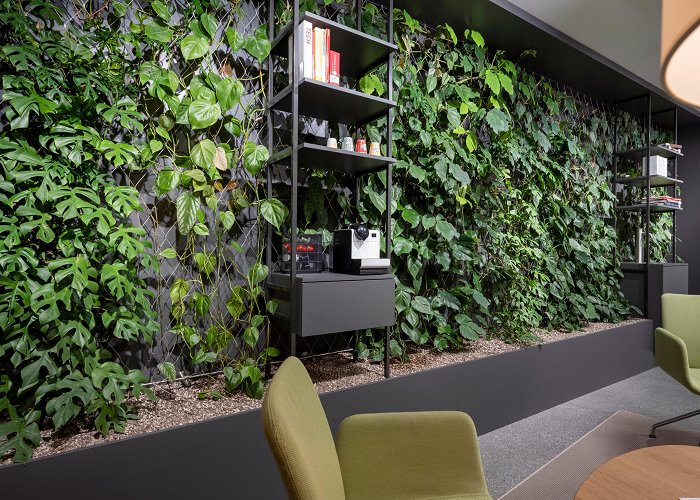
{"x": 680, "y": 49}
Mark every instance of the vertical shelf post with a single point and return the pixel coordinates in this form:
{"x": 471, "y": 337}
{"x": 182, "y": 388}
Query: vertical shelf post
{"x": 295, "y": 180}
{"x": 616, "y": 264}
{"x": 647, "y": 215}
{"x": 270, "y": 145}
{"x": 389, "y": 152}
{"x": 675, "y": 185}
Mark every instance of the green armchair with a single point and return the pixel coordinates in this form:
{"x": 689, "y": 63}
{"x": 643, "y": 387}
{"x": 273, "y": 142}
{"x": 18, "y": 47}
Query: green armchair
{"x": 678, "y": 345}
{"x": 412, "y": 455}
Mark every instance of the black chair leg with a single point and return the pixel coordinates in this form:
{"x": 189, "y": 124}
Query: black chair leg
{"x": 671, "y": 421}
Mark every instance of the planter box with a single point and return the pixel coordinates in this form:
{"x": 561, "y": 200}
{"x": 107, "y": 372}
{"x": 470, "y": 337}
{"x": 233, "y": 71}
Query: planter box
{"x": 229, "y": 457}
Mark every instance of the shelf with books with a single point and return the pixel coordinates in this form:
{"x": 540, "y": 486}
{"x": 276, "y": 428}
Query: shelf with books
{"x": 654, "y": 181}
{"x": 640, "y": 207}
{"x": 319, "y": 157}
{"x": 359, "y": 51}
{"x": 323, "y": 58}
{"x": 653, "y": 171}
{"x": 330, "y": 102}
{"x": 638, "y": 153}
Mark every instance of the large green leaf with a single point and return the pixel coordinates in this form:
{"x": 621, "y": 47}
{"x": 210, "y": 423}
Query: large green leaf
{"x": 161, "y": 9}
{"x": 411, "y": 216}
{"x": 203, "y": 114}
{"x": 228, "y": 219}
{"x": 186, "y": 207}
{"x": 159, "y": 32}
{"x": 422, "y": 305}
{"x": 446, "y": 229}
{"x": 491, "y": 79}
{"x": 274, "y": 211}
{"x": 167, "y": 369}
{"x": 20, "y": 437}
{"x": 235, "y": 39}
{"x": 203, "y": 154}
{"x": 166, "y": 181}
{"x": 178, "y": 290}
{"x": 236, "y": 303}
{"x": 497, "y": 120}
{"x": 229, "y": 92}
{"x": 257, "y": 46}
{"x": 254, "y": 157}
{"x": 194, "y": 47}
{"x": 257, "y": 273}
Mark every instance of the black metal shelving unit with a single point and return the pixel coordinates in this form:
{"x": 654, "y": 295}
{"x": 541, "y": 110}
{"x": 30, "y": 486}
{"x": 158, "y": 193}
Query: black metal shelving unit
{"x": 647, "y": 181}
{"x": 323, "y": 303}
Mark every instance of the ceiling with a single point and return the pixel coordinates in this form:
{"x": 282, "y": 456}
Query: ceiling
{"x": 606, "y": 49}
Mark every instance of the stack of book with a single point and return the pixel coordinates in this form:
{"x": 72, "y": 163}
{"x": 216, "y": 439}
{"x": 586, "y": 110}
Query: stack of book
{"x": 663, "y": 201}
{"x": 316, "y": 59}
{"x": 676, "y": 148}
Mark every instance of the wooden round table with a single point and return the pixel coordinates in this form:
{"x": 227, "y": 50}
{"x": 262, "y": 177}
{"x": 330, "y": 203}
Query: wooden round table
{"x": 654, "y": 473}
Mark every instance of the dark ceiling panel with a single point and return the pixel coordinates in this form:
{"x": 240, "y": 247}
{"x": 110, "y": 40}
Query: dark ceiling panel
{"x": 559, "y": 57}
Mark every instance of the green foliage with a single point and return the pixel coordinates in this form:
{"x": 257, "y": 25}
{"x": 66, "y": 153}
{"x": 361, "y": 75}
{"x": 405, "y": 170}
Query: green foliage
{"x": 502, "y": 196}
{"x": 69, "y": 256}
{"x": 218, "y": 308}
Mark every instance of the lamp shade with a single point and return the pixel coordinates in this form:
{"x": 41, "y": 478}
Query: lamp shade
{"x": 680, "y": 49}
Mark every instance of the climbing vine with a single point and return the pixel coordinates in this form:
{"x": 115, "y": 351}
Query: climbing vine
{"x": 131, "y": 162}
{"x": 71, "y": 294}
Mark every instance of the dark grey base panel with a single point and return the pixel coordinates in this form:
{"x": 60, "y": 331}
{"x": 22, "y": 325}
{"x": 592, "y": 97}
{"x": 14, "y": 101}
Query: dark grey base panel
{"x": 664, "y": 277}
{"x": 228, "y": 457}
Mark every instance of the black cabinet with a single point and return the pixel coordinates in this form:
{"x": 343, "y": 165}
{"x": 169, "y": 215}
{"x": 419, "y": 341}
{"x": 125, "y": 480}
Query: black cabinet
{"x": 663, "y": 277}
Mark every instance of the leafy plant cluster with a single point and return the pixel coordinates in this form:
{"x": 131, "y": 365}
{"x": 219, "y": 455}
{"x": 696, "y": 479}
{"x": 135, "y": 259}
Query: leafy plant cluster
{"x": 132, "y": 89}
{"x": 70, "y": 259}
{"x": 501, "y": 200}
{"x": 204, "y": 96}
{"x": 503, "y": 209}
{"x": 502, "y": 193}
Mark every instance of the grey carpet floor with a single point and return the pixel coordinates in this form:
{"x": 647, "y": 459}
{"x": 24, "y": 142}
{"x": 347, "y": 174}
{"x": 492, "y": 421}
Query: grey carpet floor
{"x": 512, "y": 453}
{"x": 623, "y": 432}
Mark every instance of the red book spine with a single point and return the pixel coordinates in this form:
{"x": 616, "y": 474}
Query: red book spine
{"x": 328, "y": 54}
{"x": 334, "y": 65}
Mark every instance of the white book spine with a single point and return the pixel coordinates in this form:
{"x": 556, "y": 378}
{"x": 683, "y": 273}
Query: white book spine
{"x": 305, "y": 54}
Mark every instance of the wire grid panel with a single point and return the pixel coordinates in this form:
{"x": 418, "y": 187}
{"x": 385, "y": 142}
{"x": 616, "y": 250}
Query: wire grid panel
{"x": 233, "y": 251}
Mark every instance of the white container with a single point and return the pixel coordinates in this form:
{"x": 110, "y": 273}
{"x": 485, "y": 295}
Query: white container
{"x": 658, "y": 166}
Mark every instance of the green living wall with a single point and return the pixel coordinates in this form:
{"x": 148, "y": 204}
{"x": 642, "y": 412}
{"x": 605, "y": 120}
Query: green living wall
{"x": 132, "y": 194}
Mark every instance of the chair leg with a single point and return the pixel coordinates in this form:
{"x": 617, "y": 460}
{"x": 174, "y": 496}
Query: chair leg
{"x": 671, "y": 421}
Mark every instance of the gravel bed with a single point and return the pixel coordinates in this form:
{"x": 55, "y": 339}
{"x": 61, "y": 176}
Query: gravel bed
{"x": 178, "y": 404}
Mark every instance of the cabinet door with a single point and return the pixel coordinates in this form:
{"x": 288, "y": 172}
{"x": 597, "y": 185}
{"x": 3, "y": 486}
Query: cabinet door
{"x": 340, "y": 306}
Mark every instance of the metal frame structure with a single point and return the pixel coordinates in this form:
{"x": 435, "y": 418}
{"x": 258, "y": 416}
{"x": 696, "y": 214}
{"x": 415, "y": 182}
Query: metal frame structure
{"x": 645, "y": 181}
{"x": 294, "y": 160}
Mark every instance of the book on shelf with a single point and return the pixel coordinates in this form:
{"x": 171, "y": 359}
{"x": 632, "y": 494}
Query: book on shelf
{"x": 305, "y": 55}
{"x": 676, "y": 148}
{"x": 333, "y": 67}
{"x": 321, "y": 38}
{"x": 316, "y": 59}
{"x": 663, "y": 201}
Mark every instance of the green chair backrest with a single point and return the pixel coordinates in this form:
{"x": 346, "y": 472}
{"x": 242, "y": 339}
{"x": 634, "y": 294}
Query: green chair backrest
{"x": 300, "y": 437}
{"x": 680, "y": 315}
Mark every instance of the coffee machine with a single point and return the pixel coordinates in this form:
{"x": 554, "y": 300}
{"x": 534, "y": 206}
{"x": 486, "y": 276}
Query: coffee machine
{"x": 356, "y": 250}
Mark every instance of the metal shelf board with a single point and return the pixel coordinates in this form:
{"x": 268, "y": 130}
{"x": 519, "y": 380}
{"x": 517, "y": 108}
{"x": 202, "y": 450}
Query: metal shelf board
{"x": 318, "y": 157}
{"x": 638, "y": 153}
{"x": 281, "y": 280}
{"x": 329, "y": 102}
{"x": 655, "y": 181}
{"x": 640, "y": 267}
{"x": 359, "y": 52}
{"x": 640, "y": 207}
